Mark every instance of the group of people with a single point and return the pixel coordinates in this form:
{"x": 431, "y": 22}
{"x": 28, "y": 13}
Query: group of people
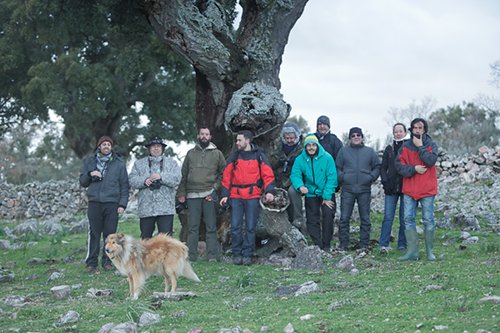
{"x": 312, "y": 169}
{"x": 319, "y": 166}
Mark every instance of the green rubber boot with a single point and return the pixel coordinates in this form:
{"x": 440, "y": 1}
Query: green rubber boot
{"x": 429, "y": 242}
{"x": 412, "y": 245}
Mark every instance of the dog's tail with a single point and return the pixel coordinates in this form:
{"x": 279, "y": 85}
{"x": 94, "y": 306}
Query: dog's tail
{"x": 189, "y": 273}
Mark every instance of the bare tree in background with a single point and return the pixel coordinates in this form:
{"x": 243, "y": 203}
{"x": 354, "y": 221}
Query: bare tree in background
{"x": 414, "y": 110}
{"x": 237, "y": 70}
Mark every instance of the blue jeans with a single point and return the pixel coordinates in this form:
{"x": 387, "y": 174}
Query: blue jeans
{"x": 243, "y": 230}
{"x": 410, "y": 212}
{"x": 390, "y": 204}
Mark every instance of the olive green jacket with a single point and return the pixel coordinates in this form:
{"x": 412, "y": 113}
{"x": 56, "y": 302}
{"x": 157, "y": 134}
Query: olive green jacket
{"x": 202, "y": 170}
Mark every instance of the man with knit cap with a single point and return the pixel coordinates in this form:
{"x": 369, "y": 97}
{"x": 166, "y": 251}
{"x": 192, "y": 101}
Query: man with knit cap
{"x": 358, "y": 167}
{"x": 282, "y": 163}
{"x": 328, "y": 140}
{"x": 104, "y": 174}
{"x": 314, "y": 175}
{"x": 201, "y": 176}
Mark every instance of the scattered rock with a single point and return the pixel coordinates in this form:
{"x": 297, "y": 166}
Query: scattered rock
{"x": 289, "y": 328}
{"x": 306, "y": 317}
{"x": 346, "y": 263}
{"x": 337, "y": 305}
{"x": 179, "y": 314}
{"x": 149, "y": 318}
{"x": 93, "y": 292}
{"x": 5, "y": 244}
{"x": 440, "y": 327}
{"x": 433, "y": 287}
{"x": 68, "y": 318}
{"x": 471, "y": 240}
{"x": 16, "y": 301}
{"x": 175, "y": 296}
{"x": 61, "y": 292}
{"x": 106, "y": 328}
{"x": 230, "y": 330}
{"x": 464, "y": 235}
{"x": 309, "y": 258}
{"x": 54, "y": 276}
{"x": 128, "y": 327}
{"x": 492, "y": 299}
{"x": 306, "y": 288}
{"x": 6, "y": 276}
{"x": 195, "y": 330}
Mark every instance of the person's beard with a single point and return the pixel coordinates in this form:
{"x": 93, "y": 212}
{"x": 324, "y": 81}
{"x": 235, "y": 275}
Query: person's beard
{"x": 203, "y": 144}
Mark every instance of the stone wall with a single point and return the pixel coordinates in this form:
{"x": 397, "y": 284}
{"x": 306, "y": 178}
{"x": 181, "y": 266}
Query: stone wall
{"x": 469, "y": 187}
{"x": 48, "y": 199}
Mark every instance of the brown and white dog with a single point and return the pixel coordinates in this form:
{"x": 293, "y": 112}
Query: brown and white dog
{"x": 139, "y": 259}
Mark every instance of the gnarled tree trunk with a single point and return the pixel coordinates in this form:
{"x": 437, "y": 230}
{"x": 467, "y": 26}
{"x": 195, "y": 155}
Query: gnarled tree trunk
{"x": 226, "y": 59}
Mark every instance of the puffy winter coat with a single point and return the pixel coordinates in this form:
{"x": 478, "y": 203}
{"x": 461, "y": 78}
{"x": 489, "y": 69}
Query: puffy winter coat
{"x": 247, "y": 175}
{"x": 416, "y": 185}
{"x": 114, "y": 185}
{"x": 358, "y": 167}
{"x": 317, "y": 173}
{"x": 160, "y": 201}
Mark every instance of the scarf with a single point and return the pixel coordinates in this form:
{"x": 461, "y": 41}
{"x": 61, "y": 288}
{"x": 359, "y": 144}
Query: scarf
{"x": 397, "y": 144}
{"x": 102, "y": 162}
{"x": 155, "y": 164}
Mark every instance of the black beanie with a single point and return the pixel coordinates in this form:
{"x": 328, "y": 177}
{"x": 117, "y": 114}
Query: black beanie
{"x": 355, "y": 130}
{"x": 323, "y": 120}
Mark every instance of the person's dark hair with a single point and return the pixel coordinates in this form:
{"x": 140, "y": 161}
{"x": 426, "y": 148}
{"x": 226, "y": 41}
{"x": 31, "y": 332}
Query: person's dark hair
{"x": 399, "y": 124}
{"x": 203, "y": 127}
{"x": 247, "y": 134}
{"x": 419, "y": 120}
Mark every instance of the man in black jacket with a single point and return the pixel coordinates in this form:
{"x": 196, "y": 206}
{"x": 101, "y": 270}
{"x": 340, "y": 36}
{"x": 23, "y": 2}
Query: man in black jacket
{"x": 331, "y": 143}
{"x": 328, "y": 140}
{"x": 104, "y": 174}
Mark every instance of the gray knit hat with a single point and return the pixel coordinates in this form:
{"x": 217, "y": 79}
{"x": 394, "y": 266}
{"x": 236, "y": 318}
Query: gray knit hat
{"x": 323, "y": 120}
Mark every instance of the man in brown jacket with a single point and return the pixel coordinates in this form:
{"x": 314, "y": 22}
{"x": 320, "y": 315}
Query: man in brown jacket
{"x": 201, "y": 176}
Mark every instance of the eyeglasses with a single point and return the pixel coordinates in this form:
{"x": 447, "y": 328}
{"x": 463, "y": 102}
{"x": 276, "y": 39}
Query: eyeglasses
{"x": 356, "y": 135}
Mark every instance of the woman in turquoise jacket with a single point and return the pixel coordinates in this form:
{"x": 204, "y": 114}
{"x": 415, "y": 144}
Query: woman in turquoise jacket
{"x": 314, "y": 175}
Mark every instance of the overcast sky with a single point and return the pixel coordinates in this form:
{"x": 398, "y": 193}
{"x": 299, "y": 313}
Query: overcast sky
{"x": 355, "y": 59}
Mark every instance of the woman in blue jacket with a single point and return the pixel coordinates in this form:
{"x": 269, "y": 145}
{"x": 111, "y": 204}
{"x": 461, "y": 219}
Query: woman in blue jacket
{"x": 314, "y": 175}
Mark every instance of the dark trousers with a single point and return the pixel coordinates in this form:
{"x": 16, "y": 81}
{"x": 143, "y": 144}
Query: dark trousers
{"x": 346, "y": 206}
{"x": 320, "y": 229}
{"x": 243, "y": 229}
{"x": 103, "y": 220}
{"x": 165, "y": 225}
{"x": 196, "y": 209}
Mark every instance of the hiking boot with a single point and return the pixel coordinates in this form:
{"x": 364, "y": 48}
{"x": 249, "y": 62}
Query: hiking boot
{"x": 237, "y": 261}
{"x": 91, "y": 269}
{"x": 108, "y": 267}
{"x": 384, "y": 250}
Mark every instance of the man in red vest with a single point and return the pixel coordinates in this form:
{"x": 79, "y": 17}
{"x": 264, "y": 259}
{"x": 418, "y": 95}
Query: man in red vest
{"x": 246, "y": 177}
{"x": 416, "y": 162}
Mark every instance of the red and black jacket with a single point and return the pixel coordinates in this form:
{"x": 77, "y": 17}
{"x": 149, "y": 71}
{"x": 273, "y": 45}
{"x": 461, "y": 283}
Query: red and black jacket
{"x": 247, "y": 175}
{"x": 416, "y": 185}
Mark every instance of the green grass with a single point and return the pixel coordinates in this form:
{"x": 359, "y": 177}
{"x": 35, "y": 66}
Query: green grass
{"x": 386, "y": 296}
